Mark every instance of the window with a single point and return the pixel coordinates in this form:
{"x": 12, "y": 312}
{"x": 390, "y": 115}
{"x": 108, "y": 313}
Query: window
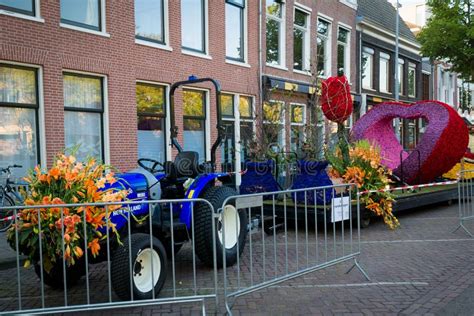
{"x": 193, "y": 25}
{"x": 83, "y": 115}
{"x": 275, "y": 33}
{"x": 19, "y": 115}
{"x": 412, "y": 80}
{"x": 384, "y": 72}
{"x": 234, "y": 29}
{"x": 151, "y": 111}
{"x": 367, "y": 67}
{"x": 273, "y": 125}
{"x": 150, "y": 21}
{"x": 343, "y": 51}
{"x": 298, "y": 120}
{"x": 19, "y": 6}
{"x": 194, "y": 121}
{"x": 300, "y": 41}
{"x": 323, "y": 48}
{"x": 231, "y": 123}
{"x": 401, "y": 66}
{"x": 82, "y": 13}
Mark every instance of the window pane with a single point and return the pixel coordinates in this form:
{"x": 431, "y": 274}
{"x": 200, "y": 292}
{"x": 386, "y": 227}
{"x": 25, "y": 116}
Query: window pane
{"x": 192, "y": 24}
{"x": 150, "y": 99}
{"x": 151, "y": 138}
{"x": 341, "y": 58}
{"x": 246, "y": 136}
{"x": 298, "y": 43}
{"x": 82, "y": 92}
{"x": 228, "y": 148}
{"x": 384, "y": 75}
{"x": 272, "y": 111}
{"x": 400, "y": 78}
{"x": 86, "y": 12}
{"x": 411, "y": 82}
{"x": 297, "y": 138}
{"x": 193, "y": 103}
{"x": 342, "y": 37}
{"x": 367, "y": 70}
{"x": 245, "y": 107}
{"x": 300, "y": 18}
{"x": 194, "y": 137}
{"x": 22, "y": 6}
{"x": 233, "y": 32}
{"x": 84, "y": 130}
{"x": 227, "y": 105}
{"x": 273, "y": 40}
{"x": 17, "y": 85}
{"x": 321, "y": 61}
{"x": 18, "y": 137}
{"x": 273, "y": 8}
{"x": 297, "y": 112}
{"x": 149, "y": 19}
{"x": 323, "y": 27}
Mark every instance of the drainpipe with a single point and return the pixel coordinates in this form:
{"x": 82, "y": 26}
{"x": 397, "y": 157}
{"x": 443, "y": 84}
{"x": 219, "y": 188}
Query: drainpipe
{"x": 397, "y": 75}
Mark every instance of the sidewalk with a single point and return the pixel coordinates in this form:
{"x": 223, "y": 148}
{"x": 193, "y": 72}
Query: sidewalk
{"x": 7, "y": 255}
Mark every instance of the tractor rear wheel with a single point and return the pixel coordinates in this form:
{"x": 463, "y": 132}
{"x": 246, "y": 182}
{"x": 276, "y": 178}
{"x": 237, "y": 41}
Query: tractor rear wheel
{"x": 230, "y": 228}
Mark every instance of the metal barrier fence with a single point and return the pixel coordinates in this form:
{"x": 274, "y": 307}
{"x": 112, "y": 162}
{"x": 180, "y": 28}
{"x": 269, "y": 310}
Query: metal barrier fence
{"x": 132, "y": 272}
{"x": 466, "y": 203}
{"x": 320, "y": 228}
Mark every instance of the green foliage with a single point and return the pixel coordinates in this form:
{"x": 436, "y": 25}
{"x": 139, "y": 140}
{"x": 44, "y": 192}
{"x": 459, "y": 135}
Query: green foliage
{"x": 449, "y": 35}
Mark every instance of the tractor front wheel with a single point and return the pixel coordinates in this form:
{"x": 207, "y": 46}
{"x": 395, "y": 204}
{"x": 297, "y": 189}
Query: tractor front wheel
{"x": 147, "y": 271}
{"x": 230, "y": 228}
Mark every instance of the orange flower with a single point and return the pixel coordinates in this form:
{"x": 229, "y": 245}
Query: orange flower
{"x": 55, "y": 173}
{"x": 94, "y": 246}
{"x": 78, "y": 251}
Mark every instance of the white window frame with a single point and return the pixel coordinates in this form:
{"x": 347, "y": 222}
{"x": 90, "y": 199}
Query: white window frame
{"x": 243, "y": 63}
{"x": 103, "y": 25}
{"x": 385, "y": 57}
{"x": 168, "y": 150}
{"x": 347, "y": 51}
{"x": 281, "y": 64}
{"x": 369, "y": 52}
{"x": 41, "y": 115}
{"x": 206, "y": 53}
{"x": 36, "y": 17}
{"x": 401, "y": 72}
{"x": 412, "y": 67}
{"x": 306, "y": 39}
{"x": 105, "y": 118}
{"x": 166, "y": 32}
{"x": 328, "y": 47}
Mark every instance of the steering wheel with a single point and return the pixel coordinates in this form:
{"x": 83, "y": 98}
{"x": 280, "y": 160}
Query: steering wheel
{"x": 151, "y": 169}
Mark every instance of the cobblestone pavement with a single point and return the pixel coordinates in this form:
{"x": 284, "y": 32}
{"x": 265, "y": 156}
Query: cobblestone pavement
{"x": 421, "y": 268}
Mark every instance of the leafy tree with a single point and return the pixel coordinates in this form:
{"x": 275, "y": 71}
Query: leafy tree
{"x": 449, "y": 35}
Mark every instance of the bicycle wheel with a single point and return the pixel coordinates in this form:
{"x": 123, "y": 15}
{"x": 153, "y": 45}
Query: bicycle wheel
{"x": 5, "y": 224}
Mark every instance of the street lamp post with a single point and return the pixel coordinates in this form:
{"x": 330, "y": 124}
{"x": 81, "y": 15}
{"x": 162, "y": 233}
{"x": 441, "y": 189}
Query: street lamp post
{"x": 397, "y": 74}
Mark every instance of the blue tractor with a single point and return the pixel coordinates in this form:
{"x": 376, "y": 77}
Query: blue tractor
{"x": 171, "y": 223}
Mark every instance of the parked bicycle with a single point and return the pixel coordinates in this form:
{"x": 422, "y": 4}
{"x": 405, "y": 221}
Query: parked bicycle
{"x": 8, "y": 197}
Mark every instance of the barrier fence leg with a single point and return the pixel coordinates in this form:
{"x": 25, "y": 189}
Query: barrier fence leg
{"x": 359, "y": 267}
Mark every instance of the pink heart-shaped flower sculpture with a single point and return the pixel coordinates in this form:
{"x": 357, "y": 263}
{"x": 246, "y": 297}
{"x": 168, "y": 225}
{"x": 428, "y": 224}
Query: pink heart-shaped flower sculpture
{"x": 443, "y": 144}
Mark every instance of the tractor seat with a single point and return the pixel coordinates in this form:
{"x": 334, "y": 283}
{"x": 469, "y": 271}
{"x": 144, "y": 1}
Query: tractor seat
{"x": 185, "y": 166}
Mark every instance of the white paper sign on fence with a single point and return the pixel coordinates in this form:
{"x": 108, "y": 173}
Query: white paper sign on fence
{"x": 340, "y": 209}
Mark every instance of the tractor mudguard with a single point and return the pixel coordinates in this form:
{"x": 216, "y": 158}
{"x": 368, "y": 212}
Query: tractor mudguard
{"x": 196, "y": 189}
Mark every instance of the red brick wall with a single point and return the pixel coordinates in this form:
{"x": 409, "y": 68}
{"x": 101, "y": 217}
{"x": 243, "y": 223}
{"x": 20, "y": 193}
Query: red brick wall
{"x": 123, "y": 62}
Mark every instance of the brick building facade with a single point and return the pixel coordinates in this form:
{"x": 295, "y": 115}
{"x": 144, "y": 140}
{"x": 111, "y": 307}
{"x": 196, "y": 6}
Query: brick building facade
{"x": 80, "y": 71}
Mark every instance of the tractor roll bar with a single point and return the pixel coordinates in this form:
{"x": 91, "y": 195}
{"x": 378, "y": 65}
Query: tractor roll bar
{"x": 174, "y": 128}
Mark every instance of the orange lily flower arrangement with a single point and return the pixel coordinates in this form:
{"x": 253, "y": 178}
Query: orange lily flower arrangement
{"x": 67, "y": 182}
{"x": 364, "y": 169}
